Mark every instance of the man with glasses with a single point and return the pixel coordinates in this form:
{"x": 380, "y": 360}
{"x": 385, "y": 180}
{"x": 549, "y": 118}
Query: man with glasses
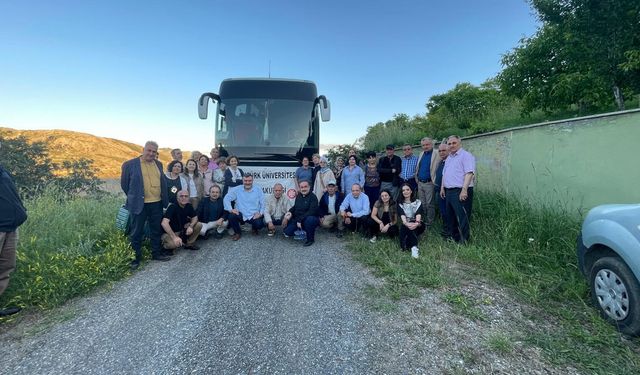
{"x": 146, "y": 190}
{"x": 408, "y": 169}
{"x": 277, "y": 206}
{"x": 428, "y": 162}
{"x": 457, "y": 189}
{"x": 180, "y": 224}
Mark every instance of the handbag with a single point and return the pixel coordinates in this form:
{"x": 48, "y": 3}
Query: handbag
{"x": 123, "y": 222}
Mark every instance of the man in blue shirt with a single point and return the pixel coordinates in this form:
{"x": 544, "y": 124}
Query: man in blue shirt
{"x": 428, "y": 162}
{"x": 355, "y": 210}
{"x": 408, "y": 169}
{"x": 249, "y": 206}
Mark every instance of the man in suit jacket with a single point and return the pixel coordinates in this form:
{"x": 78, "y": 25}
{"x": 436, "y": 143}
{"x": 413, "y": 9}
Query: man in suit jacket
{"x": 146, "y": 191}
{"x": 425, "y": 174}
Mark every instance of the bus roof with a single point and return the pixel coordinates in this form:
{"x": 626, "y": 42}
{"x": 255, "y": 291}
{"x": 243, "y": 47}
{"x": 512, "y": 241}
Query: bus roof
{"x": 268, "y": 88}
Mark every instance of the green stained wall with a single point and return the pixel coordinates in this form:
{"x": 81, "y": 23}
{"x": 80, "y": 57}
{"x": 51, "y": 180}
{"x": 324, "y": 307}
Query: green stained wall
{"x": 578, "y": 163}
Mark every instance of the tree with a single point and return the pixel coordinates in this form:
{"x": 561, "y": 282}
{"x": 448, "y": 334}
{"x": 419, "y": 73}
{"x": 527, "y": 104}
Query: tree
{"x": 583, "y": 54}
{"x": 32, "y": 169}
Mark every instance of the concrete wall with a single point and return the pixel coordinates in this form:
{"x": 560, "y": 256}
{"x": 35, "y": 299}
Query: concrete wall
{"x": 578, "y": 163}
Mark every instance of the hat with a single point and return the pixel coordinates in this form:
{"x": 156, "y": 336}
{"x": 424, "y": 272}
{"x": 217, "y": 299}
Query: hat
{"x": 390, "y": 147}
{"x": 331, "y": 182}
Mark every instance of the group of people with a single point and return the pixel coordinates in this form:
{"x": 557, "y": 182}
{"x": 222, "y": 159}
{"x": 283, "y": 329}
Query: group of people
{"x": 391, "y": 196}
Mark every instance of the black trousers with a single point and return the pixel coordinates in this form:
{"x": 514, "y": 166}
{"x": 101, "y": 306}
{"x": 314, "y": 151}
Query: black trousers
{"x": 151, "y": 213}
{"x": 410, "y": 238}
{"x": 358, "y": 224}
{"x": 374, "y": 229}
{"x": 458, "y": 214}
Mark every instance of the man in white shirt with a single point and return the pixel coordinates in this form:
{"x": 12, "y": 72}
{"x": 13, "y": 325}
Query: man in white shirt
{"x": 276, "y": 206}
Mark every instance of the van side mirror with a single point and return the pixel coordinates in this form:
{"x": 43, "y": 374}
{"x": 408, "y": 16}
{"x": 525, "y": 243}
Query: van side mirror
{"x": 203, "y": 104}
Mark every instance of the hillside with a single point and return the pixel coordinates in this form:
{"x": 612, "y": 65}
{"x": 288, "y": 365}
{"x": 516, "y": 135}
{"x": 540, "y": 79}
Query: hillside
{"x": 107, "y": 154}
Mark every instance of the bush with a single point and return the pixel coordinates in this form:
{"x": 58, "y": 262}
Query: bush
{"x": 68, "y": 246}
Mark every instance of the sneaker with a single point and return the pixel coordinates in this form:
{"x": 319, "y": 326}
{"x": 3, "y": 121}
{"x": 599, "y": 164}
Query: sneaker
{"x": 271, "y": 233}
{"x": 373, "y": 239}
{"x": 415, "y": 252}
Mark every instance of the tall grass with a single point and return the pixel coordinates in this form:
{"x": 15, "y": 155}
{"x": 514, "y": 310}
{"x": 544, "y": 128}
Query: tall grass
{"x": 67, "y": 247}
{"x": 529, "y": 249}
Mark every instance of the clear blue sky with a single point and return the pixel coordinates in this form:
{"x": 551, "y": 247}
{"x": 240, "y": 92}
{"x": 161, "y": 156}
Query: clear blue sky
{"x": 133, "y": 70}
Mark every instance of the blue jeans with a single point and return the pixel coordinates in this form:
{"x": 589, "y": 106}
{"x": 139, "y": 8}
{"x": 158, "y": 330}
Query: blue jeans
{"x": 151, "y": 213}
{"x": 309, "y": 224}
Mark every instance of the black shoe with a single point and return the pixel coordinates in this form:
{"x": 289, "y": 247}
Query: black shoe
{"x": 161, "y": 258}
{"x": 134, "y": 265}
{"x": 10, "y": 311}
{"x": 192, "y": 247}
{"x": 340, "y": 234}
{"x": 168, "y": 253}
{"x": 219, "y": 235}
{"x": 308, "y": 243}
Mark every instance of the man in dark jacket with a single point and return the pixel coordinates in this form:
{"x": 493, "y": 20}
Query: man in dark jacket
{"x": 12, "y": 215}
{"x": 389, "y": 168}
{"x": 146, "y": 191}
{"x": 304, "y": 213}
{"x": 211, "y": 213}
{"x": 330, "y": 207}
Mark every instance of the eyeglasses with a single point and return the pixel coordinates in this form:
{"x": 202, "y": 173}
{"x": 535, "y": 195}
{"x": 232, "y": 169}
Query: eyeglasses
{"x": 183, "y": 196}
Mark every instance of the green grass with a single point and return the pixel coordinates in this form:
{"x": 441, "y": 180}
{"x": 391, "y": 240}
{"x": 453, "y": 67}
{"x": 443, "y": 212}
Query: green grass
{"x": 67, "y": 247}
{"x": 464, "y": 305}
{"x": 529, "y": 250}
{"x": 500, "y": 343}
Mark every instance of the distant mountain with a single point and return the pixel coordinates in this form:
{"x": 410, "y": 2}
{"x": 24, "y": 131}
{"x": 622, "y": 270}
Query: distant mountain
{"x": 107, "y": 154}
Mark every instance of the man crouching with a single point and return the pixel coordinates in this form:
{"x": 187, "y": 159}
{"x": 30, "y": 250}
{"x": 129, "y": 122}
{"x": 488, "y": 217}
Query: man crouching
{"x": 180, "y": 224}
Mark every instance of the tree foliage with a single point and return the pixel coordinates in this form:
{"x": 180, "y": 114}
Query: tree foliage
{"x": 33, "y": 170}
{"x": 586, "y": 53}
{"x": 398, "y": 130}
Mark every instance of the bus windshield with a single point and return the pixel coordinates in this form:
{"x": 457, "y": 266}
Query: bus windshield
{"x": 267, "y": 129}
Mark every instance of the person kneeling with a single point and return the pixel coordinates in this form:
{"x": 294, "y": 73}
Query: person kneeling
{"x": 384, "y": 217}
{"x": 249, "y": 201}
{"x": 180, "y": 224}
{"x": 211, "y": 213}
{"x": 277, "y": 206}
{"x": 330, "y": 208}
{"x": 355, "y": 210}
{"x": 304, "y": 214}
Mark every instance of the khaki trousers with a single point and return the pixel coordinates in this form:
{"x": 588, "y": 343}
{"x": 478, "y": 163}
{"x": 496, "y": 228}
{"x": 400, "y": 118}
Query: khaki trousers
{"x": 8, "y": 244}
{"x": 426, "y": 194}
{"x": 328, "y": 221}
{"x": 168, "y": 243}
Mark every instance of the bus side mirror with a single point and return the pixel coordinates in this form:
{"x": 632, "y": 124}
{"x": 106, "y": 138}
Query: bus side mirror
{"x": 203, "y": 104}
{"x": 325, "y": 108}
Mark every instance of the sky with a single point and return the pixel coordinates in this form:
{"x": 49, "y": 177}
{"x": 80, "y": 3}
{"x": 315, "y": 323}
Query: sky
{"x": 134, "y": 70}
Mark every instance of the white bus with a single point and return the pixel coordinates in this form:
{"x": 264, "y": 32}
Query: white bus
{"x": 269, "y": 124}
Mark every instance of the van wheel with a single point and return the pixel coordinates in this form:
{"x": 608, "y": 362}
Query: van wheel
{"x": 616, "y": 293}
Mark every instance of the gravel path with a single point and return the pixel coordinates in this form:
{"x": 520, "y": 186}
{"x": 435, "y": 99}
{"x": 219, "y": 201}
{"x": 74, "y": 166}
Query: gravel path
{"x": 258, "y": 305}
{"x": 263, "y": 306}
